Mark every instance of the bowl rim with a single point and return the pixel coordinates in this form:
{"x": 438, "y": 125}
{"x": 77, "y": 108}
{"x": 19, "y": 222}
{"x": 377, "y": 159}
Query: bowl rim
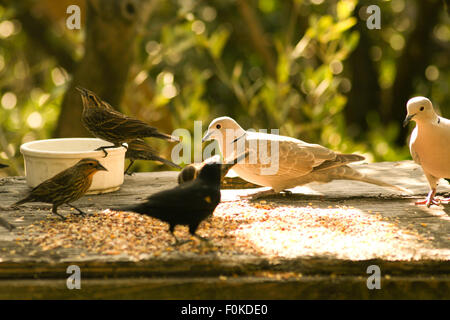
{"x": 27, "y": 150}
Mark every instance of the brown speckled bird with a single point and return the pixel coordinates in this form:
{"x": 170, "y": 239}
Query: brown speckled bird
{"x": 67, "y": 186}
{"x": 139, "y": 150}
{"x": 102, "y": 121}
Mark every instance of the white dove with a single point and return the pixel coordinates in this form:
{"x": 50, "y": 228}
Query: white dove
{"x": 297, "y": 162}
{"x": 429, "y": 144}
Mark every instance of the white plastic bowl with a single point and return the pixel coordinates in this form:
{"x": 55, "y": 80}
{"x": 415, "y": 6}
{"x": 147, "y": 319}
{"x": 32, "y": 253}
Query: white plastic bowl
{"x": 45, "y": 158}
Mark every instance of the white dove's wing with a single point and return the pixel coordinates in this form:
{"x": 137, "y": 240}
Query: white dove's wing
{"x": 295, "y": 157}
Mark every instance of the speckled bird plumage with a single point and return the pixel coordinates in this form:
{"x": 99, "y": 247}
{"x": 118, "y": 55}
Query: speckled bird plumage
{"x": 139, "y": 150}
{"x": 67, "y": 186}
{"x": 102, "y": 121}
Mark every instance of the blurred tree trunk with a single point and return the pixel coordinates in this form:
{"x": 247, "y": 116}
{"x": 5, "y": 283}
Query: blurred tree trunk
{"x": 413, "y": 61}
{"x": 257, "y": 36}
{"x": 111, "y": 29}
{"x": 365, "y": 93}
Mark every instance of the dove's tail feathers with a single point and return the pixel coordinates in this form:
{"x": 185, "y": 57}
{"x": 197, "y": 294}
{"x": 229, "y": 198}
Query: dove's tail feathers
{"x": 340, "y": 160}
{"x": 348, "y": 173}
{"x": 364, "y": 178}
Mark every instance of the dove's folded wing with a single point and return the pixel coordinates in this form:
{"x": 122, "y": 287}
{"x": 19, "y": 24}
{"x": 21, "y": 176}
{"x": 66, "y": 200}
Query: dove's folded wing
{"x": 295, "y": 157}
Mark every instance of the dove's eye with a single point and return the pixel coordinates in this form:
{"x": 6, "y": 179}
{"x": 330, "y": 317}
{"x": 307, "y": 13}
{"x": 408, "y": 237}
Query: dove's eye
{"x": 421, "y": 108}
{"x": 218, "y": 126}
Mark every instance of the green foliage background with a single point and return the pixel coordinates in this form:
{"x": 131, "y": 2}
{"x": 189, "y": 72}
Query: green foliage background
{"x": 266, "y": 63}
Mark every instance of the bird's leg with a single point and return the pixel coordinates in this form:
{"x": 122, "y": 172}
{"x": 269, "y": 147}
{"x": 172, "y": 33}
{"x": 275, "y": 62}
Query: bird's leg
{"x": 193, "y": 229}
{"x": 55, "y": 211}
{"x": 259, "y": 194}
{"x": 205, "y": 240}
{"x": 105, "y": 147}
{"x": 429, "y": 200}
{"x": 129, "y": 166}
{"x": 177, "y": 242}
{"x": 81, "y": 213}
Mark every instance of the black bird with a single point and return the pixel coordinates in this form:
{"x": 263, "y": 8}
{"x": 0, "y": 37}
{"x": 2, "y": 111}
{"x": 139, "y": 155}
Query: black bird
{"x": 139, "y": 150}
{"x": 188, "y": 204}
{"x": 102, "y": 121}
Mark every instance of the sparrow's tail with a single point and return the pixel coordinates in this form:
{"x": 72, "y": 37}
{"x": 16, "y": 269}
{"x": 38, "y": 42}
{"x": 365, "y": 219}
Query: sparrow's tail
{"x": 164, "y": 136}
{"x": 6, "y": 224}
{"x": 24, "y": 200}
{"x": 165, "y": 161}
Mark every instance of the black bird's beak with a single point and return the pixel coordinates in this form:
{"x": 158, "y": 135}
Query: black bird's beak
{"x": 207, "y": 135}
{"x": 408, "y": 119}
{"x": 3, "y": 165}
{"x": 101, "y": 168}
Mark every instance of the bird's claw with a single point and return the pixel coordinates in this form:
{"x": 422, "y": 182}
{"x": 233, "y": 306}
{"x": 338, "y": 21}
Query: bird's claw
{"x": 428, "y": 202}
{"x": 178, "y": 243}
{"x": 205, "y": 240}
{"x": 257, "y": 195}
{"x": 104, "y": 151}
{"x": 83, "y": 214}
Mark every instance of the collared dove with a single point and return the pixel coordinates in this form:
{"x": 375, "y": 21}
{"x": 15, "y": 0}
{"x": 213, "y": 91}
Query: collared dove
{"x": 298, "y": 162}
{"x": 429, "y": 144}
